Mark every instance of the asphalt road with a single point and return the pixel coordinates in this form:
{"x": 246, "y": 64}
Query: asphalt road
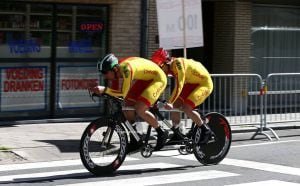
{"x": 249, "y": 163}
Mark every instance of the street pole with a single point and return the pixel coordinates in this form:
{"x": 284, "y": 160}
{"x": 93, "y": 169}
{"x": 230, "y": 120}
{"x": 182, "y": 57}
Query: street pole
{"x": 184, "y": 30}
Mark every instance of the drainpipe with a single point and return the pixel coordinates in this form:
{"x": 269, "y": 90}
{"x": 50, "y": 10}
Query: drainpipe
{"x": 144, "y": 28}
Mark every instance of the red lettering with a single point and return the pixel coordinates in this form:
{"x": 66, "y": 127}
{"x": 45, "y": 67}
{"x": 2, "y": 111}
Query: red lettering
{"x": 24, "y": 73}
{"x": 195, "y": 73}
{"x": 23, "y": 86}
{"x": 150, "y": 72}
{"x": 91, "y": 27}
{"x": 101, "y": 25}
{"x": 77, "y": 84}
{"x": 158, "y": 91}
{"x": 82, "y": 27}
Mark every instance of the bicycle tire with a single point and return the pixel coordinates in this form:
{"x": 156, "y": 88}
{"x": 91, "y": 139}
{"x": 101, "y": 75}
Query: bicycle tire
{"x": 213, "y": 152}
{"x": 103, "y": 158}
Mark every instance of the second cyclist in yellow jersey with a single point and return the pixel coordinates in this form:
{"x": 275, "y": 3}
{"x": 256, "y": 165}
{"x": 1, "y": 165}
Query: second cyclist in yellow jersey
{"x": 191, "y": 78}
{"x": 193, "y": 84}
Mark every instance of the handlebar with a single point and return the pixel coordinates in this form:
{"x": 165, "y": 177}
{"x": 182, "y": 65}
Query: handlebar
{"x": 159, "y": 104}
{"x": 115, "y": 99}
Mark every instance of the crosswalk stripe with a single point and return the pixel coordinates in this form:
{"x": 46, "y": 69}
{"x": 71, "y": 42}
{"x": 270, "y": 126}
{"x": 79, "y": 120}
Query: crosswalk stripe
{"x": 264, "y": 143}
{"x": 267, "y": 183}
{"x": 262, "y": 166}
{"x": 37, "y": 176}
{"x": 240, "y": 163}
{"x": 162, "y": 179}
{"x": 50, "y": 164}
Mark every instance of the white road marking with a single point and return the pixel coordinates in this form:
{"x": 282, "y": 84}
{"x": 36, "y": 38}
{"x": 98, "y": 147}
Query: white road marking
{"x": 162, "y": 179}
{"x": 37, "y": 176}
{"x": 240, "y": 163}
{"x": 262, "y": 166}
{"x": 267, "y": 183}
{"x": 37, "y": 165}
{"x": 266, "y": 143}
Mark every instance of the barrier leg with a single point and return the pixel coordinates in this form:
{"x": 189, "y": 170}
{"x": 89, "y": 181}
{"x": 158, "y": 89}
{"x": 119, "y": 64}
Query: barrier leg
{"x": 260, "y": 131}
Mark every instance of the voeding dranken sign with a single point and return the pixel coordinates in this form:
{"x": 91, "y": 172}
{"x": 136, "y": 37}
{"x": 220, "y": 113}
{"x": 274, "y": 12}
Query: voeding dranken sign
{"x": 23, "y": 88}
{"x": 171, "y": 20}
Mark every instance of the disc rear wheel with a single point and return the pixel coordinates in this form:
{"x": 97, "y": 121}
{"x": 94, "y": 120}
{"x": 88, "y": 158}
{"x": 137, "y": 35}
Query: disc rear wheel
{"x": 217, "y": 148}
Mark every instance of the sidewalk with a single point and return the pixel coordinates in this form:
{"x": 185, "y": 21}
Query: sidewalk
{"x": 22, "y": 143}
{"x": 40, "y": 142}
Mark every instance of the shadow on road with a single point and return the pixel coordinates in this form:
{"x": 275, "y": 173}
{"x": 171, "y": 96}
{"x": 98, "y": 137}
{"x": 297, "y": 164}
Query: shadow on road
{"x": 86, "y": 175}
{"x": 65, "y": 146}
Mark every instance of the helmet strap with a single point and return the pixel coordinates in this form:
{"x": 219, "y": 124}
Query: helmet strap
{"x": 116, "y": 71}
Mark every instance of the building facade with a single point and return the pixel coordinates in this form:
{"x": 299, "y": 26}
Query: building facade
{"x": 49, "y": 48}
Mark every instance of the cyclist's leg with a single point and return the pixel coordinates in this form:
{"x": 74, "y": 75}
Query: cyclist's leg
{"x": 148, "y": 98}
{"x": 197, "y": 96}
{"x": 131, "y": 98}
{"x": 175, "y": 116}
{"x": 129, "y": 114}
{"x": 184, "y": 105}
{"x": 142, "y": 110}
{"x": 176, "y": 122}
{"x": 130, "y": 101}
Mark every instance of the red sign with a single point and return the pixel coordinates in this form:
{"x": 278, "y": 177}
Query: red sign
{"x": 24, "y": 79}
{"x": 92, "y": 27}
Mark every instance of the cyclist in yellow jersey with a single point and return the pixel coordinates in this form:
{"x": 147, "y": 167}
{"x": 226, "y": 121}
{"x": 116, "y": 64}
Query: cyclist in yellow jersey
{"x": 193, "y": 86}
{"x": 136, "y": 68}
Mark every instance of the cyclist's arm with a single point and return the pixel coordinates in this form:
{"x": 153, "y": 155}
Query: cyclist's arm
{"x": 178, "y": 69}
{"x": 126, "y": 72}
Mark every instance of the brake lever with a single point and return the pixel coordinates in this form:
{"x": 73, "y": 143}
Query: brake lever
{"x": 92, "y": 95}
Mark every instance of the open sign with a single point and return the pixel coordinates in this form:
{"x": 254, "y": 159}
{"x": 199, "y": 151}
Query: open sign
{"x": 91, "y": 26}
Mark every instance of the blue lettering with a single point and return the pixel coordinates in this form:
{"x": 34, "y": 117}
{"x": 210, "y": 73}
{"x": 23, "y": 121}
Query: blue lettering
{"x": 24, "y": 46}
{"x": 80, "y": 46}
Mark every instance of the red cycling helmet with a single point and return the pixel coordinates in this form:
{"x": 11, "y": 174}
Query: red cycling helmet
{"x": 160, "y": 56}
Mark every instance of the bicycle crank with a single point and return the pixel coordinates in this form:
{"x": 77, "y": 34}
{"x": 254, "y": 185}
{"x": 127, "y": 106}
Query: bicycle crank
{"x": 146, "y": 151}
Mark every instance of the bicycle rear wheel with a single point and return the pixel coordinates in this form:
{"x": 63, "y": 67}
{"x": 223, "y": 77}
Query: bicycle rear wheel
{"x": 103, "y": 146}
{"x": 217, "y": 148}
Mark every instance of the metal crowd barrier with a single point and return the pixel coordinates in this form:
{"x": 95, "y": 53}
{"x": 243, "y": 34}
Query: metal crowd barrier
{"x": 247, "y": 100}
{"x": 240, "y": 98}
{"x": 282, "y": 98}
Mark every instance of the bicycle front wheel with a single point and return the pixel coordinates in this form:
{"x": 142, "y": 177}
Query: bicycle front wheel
{"x": 217, "y": 148}
{"x": 103, "y": 146}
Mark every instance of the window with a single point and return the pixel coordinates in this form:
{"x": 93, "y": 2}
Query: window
{"x": 275, "y": 39}
{"x": 25, "y": 30}
{"x": 81, "y": 31}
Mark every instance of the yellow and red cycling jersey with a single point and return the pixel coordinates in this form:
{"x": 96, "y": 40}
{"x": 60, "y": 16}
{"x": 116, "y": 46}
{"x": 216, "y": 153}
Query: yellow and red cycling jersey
{"x": 136, "y": 68}
{"x": 193, "y": 81}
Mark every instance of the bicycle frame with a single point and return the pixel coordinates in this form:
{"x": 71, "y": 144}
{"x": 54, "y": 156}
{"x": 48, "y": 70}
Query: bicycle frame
{"x": 154, "y": 110}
